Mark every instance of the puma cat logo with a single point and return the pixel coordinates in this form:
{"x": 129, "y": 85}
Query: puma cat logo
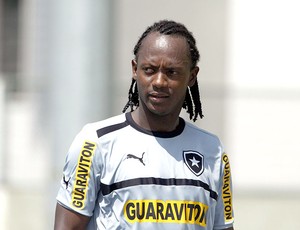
{"x": 66, "y": 181}
{"x": 135, "y": 157}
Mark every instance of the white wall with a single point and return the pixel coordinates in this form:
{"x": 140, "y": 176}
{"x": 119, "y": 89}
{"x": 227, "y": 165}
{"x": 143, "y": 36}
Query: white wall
{"x": 263, "y": 110}
{"x": 264, "y": 94}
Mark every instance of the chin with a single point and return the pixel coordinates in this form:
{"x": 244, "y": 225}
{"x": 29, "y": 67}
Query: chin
{"x": 155, "y": 111}
{"x": 159, "y": 111}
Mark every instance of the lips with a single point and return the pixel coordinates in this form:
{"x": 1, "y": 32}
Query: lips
{"x": 158, "y": 97}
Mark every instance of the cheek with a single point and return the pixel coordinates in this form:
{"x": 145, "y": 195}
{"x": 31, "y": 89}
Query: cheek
{"x": 142, "y": 87}
{"x": 180, "y": 91}
{"x": 178, "y": 86}
{"x": 143, "y": 82}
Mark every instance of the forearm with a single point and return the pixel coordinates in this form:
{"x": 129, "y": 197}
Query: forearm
{"x": 68, "y": 220}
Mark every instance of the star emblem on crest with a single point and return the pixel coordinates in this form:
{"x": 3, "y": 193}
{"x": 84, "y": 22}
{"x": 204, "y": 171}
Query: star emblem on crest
{"x": 194, "y": 162}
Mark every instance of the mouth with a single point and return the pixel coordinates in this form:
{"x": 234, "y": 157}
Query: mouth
{"x": 158, "y": 97}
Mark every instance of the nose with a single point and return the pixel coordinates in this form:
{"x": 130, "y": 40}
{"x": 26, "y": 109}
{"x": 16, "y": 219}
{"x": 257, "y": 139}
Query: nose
{"x": 160, "y": 80}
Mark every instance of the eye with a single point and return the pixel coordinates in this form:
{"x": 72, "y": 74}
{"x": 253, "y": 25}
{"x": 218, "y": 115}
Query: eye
{"x": 172, "y": 72}
{"x": 148, "y": 70}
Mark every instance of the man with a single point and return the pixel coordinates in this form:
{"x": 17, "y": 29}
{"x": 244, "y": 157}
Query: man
{"x": 148, "y": 168}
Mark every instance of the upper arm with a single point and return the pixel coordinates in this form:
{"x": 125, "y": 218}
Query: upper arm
{"x": 66, "y": 219}
{"x": 224, "y": 215}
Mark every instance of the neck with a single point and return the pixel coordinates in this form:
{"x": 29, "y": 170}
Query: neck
{"x": 154, "y": 122}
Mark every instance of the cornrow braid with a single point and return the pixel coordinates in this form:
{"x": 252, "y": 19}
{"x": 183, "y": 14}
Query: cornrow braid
{"x": 188, "y": 104}
{"x": 133, "y": 97}
{"x": 166, "y": 27}
{"x": 192, "y": 102}
{"x": 196, "y": 100}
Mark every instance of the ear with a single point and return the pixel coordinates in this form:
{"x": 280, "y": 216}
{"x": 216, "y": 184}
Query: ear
{"x": 193, "y": 76}
{"x": 134, "y": 68}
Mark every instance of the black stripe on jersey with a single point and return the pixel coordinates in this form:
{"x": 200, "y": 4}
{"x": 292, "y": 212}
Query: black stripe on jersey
{"x": 106, "y": 189}
{"x": 178, "y": 130}
{"x": 111, "y": 128}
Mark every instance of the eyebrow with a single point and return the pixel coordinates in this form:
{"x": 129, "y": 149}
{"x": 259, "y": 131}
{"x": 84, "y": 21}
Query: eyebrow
{"x": 177, "y": 64}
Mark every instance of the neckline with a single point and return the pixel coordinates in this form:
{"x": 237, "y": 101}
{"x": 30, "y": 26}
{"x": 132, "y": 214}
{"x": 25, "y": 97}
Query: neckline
{"x": 179, "y": 129}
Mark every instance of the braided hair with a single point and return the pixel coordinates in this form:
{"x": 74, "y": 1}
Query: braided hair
{"x": 192, "y": 102}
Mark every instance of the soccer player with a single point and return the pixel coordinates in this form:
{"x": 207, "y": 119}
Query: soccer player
{"x": 149, "y": 168}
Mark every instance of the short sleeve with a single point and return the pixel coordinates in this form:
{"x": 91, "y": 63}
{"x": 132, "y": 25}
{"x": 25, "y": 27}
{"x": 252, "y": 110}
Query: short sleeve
{"x": 224, "y": 215}
{"x": 80, "y": 181}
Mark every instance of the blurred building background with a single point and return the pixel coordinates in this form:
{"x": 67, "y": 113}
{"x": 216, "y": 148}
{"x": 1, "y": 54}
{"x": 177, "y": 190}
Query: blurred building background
{"x": 64, "y": 63}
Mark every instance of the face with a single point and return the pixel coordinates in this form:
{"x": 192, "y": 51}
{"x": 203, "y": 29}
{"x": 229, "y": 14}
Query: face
{"x": 163, "y": 72}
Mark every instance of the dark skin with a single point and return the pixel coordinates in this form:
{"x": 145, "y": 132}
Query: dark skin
{"x": 66, "y": 219}
{"x": 163, "y": 71}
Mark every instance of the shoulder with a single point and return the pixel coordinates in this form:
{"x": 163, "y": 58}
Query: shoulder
{"x": 208, "y": 142}
{"x": 192, "y": 129}
{"x": 93, "y": 130}
{"x": 88, "y": 137}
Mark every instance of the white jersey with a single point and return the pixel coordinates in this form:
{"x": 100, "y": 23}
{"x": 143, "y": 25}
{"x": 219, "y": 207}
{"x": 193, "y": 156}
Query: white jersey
{"x": 126, "y": 177}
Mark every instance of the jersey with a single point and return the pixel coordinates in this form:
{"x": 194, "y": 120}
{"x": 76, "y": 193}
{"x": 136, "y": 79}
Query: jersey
{"x": 126, "y": 177}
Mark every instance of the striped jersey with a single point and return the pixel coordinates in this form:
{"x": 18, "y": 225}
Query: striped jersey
{"x": 126, "y": 177}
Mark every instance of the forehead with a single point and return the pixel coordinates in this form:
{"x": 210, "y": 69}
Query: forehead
{"x": 167, "y": 46}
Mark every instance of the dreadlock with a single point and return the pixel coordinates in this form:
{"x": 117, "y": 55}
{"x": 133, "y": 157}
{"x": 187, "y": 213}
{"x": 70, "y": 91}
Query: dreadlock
{"x": 192, "y": 102}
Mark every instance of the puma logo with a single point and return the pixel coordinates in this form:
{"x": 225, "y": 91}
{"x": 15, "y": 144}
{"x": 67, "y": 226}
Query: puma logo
{"x": 66, "y": 181}
{"x": 135, "y": 157}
